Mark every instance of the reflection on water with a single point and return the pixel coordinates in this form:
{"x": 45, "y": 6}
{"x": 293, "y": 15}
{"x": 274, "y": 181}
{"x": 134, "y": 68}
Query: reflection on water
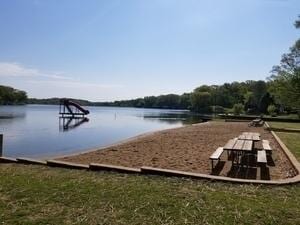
{"x": 12, "y": 112}
{"x": 36, "y": 133}
{"x": 69, "y": 123}
{"x": 184, "y": 116}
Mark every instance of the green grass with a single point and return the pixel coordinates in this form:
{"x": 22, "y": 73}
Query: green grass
{"x": 289, "y": 116}
{"x": 292, "y": 141}
{"x": 42, "y": 195}
{"x": 284, "y": 125}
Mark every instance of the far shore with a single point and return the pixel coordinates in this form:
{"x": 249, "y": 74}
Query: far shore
{"x": 187, "y": 149}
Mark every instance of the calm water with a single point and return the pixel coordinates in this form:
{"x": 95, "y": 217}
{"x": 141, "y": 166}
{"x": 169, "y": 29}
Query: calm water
{"x": 37, "y": 131}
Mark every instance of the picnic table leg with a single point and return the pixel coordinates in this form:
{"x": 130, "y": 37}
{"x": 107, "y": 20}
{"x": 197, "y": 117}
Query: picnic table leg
{"x": 228, "y": 153}
{"x": 233, "y": 159}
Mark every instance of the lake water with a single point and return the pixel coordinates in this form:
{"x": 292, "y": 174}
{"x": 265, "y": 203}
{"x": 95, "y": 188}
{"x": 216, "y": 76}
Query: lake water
{"x": 37, "y": 131}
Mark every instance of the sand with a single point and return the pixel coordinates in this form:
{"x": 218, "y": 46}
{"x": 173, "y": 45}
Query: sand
{"x": 188, "y": 149}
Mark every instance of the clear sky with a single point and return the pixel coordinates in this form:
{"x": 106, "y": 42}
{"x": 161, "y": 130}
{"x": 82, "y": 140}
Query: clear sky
{"x": 122, "y": 49}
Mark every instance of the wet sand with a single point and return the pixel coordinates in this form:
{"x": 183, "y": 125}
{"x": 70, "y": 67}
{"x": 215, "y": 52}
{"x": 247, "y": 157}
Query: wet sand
{"x": 188, "y": 149}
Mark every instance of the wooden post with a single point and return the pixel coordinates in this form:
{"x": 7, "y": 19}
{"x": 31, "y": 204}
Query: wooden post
{"x": 1, "y": 145}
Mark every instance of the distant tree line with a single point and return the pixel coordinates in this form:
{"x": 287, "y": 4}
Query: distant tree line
{"x": 11, "y": 96}
{"x": 249, "y": 96}
{"x": 169, "y": 101}
{"x": 253, "y": 95}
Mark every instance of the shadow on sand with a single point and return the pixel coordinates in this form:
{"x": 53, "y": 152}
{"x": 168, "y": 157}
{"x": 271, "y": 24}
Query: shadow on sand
{"x": 246, "y": 168}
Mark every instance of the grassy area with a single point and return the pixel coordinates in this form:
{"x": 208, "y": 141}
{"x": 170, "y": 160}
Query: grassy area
{"x": 291, "y": 140}
{"x": 284, "y": 125}
{"x": 290, "y": 116}
{"x": 41, "y": 195}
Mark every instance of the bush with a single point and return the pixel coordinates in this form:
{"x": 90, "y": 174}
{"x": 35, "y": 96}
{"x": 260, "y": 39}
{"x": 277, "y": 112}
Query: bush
{"x": 217, "y": 109}
{"x": 238, "y": 109}
{"x": 272, "y": 110}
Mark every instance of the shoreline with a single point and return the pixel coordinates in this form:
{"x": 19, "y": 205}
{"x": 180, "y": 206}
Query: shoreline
{"x": 127, "y": 140}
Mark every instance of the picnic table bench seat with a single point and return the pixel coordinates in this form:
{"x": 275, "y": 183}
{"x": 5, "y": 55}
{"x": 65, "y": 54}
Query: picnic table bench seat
{"x": 216, "y": 156}
{"x": 262, "y": 156}
{"x": 266, "y": 146}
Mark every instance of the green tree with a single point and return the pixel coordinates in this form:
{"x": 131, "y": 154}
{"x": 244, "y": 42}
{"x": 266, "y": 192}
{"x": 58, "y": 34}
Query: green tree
{"x": 264, "y": 102}
{"x": 170, "y": 101}
{"x": 200, "y": 101}
{"x": 185, "y": 101}
{"x": 9, "y": 96}
{"x": 285, "y": 80}
{"x": 150, "y": 101}
{"x": 272, "y": 110}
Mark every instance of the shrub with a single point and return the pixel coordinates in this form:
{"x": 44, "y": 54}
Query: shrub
{"x": 217, "y": 109}
{"x": 238, "y": 109}
{"x": 272, "y": 110}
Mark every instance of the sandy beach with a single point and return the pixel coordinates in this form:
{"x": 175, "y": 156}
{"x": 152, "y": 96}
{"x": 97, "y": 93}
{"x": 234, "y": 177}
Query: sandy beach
{"x": 188, "y": 149}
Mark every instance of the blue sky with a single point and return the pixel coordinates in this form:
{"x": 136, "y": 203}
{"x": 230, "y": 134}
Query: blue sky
{"x": 122, "y": 49}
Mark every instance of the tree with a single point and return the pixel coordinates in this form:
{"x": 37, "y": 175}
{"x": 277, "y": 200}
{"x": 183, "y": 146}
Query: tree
{"x": 185, "y": 101}
{"x": 150, "y": 102}
{"x": 264, "y": 102}
{"x": 200, "y": 101}
{"x": 272, "y": 110}
{"x": 285, "y": 79}
{"x": 259, "y": 90}
{"x": 170, "y": 101}
{"x": 9, "y": 96}
{"x": 203, "y": 88}
{"x": 250, "y": 105}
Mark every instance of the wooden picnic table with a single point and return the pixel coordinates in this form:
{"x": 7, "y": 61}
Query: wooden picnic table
{"x": 238, "y": 147}
{"x": 249, "y": 136}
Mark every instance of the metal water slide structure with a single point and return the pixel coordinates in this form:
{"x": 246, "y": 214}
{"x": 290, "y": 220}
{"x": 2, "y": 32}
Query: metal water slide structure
{"x": 69, "y": 108}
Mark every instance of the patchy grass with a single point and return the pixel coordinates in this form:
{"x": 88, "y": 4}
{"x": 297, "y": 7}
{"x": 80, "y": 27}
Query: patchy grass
{"x": 284, "y": 125}
{"x": 42, "y": 195}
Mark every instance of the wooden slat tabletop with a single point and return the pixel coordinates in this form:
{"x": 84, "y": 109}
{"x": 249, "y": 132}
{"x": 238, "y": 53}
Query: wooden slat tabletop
{"x": 229, "y": 145}
{"x": 250, "y": 136}
{"x": 254, "y": 133}
{"x": 248, "y": 145}
{"x": 239, "y": 145}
